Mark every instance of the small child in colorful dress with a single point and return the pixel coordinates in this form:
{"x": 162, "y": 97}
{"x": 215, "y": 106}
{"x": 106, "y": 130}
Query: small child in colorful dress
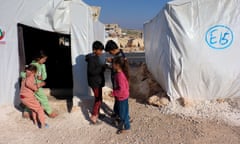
{"x": 41, "y": 76}
{"x": 28, "y": 88}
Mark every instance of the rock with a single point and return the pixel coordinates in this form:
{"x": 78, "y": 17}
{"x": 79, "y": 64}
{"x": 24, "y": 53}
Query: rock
{"x": 157, "y": 100}
{"x": 186, "y": 102}
{"x": 142, "y": 83}
{"x": 220, "y": 100}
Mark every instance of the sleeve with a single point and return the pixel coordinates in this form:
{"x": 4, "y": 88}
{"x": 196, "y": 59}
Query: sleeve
{"x": 43, "y": 72}
{"x": 30, "y": 83}
{"x": 120, "y": 89}
{"x": 23, "y": 74}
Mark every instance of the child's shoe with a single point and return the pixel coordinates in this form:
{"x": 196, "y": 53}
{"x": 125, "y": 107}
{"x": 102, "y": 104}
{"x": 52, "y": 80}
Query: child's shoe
{"x": 46, "y": 125}
{"x": 43, "y": 126}
{"x": 122, "y": 131}
{"x": 130, "y": 120}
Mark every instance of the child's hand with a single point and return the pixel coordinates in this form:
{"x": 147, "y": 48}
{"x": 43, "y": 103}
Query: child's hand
{"x": 110, "y": 94}
{"x": 109, "y": 59}
{"x": 41, "y": 84}
{"x": 39, "y": 77}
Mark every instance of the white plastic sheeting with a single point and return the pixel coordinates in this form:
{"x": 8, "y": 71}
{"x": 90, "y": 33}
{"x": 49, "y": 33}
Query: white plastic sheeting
{"x": 70, "y": 17}
{"x": 99, "y": 31}
{"x": 192, "y": 48}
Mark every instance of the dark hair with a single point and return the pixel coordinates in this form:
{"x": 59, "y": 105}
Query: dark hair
{"x": 123, "y": 63}
{"x": 40, "y": 55}
{"x": 97, "y": 45}
{"x": 110, "y": 45}
{"x": 32, "y": 68}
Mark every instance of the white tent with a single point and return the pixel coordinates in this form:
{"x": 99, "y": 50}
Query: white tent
{"x": 192, "y": 48}
{"x": 72, "y": 17}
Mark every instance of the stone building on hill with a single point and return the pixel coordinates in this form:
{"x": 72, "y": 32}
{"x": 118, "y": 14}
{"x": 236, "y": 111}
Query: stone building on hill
{"x": 113, "y": 30}
{"x": 129, "y": 40}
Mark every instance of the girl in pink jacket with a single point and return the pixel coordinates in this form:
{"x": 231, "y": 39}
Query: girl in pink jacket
{"x": 28, "y": 87}
{"x": 121, "y": 92}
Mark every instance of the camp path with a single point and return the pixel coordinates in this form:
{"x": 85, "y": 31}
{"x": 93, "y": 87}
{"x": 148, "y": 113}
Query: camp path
{"x": 149, "y": 125}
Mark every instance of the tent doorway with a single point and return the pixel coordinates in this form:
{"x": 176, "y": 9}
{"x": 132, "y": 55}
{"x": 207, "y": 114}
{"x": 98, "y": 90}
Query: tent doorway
{"x": 56, "y": 45}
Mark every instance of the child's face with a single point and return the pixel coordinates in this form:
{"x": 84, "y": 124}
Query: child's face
{"x": 28, "y": 72}
{"x": 114, "y": 51}
{"x": 42, "y": 60}
{"x": 98, "y": 52}
{"x": 116, "y": 66}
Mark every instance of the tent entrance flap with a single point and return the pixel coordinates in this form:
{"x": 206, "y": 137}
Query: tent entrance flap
{"x": 57, "y": 47}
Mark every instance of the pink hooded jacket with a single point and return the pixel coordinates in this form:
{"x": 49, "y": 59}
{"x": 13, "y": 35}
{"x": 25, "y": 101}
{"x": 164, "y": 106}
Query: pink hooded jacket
{"x": 122, "y": 91}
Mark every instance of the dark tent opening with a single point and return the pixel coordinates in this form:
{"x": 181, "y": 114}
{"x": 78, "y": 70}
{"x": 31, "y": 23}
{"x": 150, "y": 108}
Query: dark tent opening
{"x": 57, "y": 47}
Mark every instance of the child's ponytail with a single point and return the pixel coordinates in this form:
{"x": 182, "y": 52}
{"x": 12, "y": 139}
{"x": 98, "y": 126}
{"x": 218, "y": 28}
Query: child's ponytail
{"x": 125, "y": 68}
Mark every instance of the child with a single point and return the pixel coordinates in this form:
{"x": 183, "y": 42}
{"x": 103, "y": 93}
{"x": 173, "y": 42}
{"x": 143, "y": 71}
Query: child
{"x": 95, "y": 72}
{"x": 28, "y": 87}
{"x": 121, "y": 92}
{"x": 41, "y": 76}
{"x": 112, "y": 48}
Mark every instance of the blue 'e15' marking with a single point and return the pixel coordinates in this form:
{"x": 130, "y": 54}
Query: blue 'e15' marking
{"x": 219, "y": 37}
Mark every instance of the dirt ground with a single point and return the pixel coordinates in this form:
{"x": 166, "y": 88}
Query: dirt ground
{"x": 204, "y": 123}
{"x": 149, "y": 126}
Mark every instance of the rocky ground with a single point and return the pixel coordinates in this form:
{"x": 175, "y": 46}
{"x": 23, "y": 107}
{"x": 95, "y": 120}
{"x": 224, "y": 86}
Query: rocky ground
{"x": 149, "y": 126}
{"x": 202, "y": 123}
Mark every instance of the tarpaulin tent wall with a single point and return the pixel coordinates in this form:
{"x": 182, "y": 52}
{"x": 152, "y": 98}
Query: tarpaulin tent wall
{"x": 72, "y": 17}
{"x": 99, "y": 31}
{"x": 192, "y": 48}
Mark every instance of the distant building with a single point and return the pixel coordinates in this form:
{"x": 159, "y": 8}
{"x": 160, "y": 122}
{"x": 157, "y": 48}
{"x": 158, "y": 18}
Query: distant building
{"x": 123, "y": 42}
{"x": 113, "y": 30}
{"x": 129, "y": 40}
{"x": 135, "y": 42}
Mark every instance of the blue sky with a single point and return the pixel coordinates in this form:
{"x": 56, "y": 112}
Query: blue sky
{"x": 127, "y": 13}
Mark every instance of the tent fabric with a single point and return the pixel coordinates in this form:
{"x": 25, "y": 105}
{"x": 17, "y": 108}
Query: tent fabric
{"x": 99, "y": 31}
{"x": 69, "y": 17}
{"x": 192, "y": 48}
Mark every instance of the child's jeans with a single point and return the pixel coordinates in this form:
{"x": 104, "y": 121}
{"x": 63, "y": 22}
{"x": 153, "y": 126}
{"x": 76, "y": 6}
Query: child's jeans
{"x": 123, "y": 114}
